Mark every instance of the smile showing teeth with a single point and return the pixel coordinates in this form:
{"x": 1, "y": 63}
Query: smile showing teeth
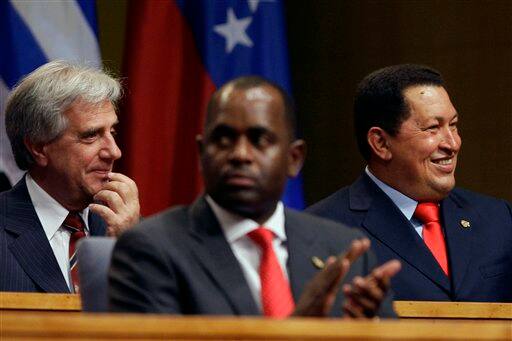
{"x": 444, "y": 162}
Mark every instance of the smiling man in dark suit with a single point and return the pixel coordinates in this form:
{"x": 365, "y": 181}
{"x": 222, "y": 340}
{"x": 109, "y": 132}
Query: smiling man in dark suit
{"x": 454, "y": 244}
{"x": 61, "y": 121}
{"x": 237, "y": 250}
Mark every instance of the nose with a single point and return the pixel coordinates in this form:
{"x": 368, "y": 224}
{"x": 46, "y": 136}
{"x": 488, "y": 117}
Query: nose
{"x": 110, "y": 150}
{"x": 451, "y": 140}
{"x": 242, "y": 151}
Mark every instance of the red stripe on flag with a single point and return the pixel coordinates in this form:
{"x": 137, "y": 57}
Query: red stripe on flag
{"x": 167, "y": 90}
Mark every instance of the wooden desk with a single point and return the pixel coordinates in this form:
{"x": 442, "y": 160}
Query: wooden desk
{"x": 453, "y": 310}
{"x": 30, "y": 302}
{"x": 59, "y": 326}
{"x": 33, "y": 302}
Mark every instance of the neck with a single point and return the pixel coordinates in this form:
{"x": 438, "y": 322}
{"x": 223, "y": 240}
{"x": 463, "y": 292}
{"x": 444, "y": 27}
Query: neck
{"x": 259, "y": 213}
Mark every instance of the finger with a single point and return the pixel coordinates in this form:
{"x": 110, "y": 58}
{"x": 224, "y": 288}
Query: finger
{"x": 332, "y": 274}
{"x": 111, "y": 199}
{"x": 357, "y": 248}
{"x": 332, "y": 289}
{"x": 124, "y": 179}
{"x": 352, "y": 310}
{"x": 383, "y": 274}
{"x": 104, "y": 212}
{"x": 367, "y": 294}
{"x": 124, "y": 191}
{"x": 121, "y": 178}
{"x": 320, "y": 293}
{"x": 111, "y": 219}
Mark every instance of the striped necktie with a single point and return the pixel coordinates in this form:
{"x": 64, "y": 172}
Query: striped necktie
{"x": 76, "y": 226}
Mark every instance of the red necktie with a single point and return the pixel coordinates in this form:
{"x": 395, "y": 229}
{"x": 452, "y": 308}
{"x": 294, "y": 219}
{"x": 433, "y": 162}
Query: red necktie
{"x": 276, "y": 296}
{"x": 428, "y": 213}
{"x": 76, "y": 226}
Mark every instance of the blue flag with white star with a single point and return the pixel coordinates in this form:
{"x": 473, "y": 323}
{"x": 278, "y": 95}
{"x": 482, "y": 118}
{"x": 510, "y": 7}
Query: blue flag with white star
{"x": 235, "y": 38}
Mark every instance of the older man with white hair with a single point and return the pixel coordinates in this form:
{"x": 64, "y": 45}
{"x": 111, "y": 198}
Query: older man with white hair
{"x": 61, "y": 122}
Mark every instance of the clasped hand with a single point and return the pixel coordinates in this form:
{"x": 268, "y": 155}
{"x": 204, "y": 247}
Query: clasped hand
{"x": 363, "y": 295}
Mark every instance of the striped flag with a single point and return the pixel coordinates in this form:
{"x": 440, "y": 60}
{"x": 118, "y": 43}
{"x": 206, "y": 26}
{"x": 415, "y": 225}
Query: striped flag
{"x": 178, "y": 53}
{"x": 33, "y": 33}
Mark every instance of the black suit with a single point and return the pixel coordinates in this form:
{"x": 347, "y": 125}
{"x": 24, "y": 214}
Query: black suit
{"x": 26, "y": 257}
{"x": 179, "y": 262}
{"x": 479, "y": 253}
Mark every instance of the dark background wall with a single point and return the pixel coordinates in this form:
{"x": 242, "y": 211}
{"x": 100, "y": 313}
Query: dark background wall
{"x": 334, "y": 44}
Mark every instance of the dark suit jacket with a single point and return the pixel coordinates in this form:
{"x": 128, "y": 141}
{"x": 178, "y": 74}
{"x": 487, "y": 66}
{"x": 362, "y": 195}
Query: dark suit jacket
{"x": 179, "y": 262}
{"x": 26, "y": 257}
{"x": 480, "y": 256}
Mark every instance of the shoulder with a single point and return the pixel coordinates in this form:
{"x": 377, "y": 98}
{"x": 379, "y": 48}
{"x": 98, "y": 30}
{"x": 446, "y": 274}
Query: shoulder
{"x": 493, "y": 211}
{"x": 335, "y": 201}
{"x": 18, "y": 192}
{"x": 322, "y": 226}
{"x": 469, "y": 198}
{"x": 164, "y": 223}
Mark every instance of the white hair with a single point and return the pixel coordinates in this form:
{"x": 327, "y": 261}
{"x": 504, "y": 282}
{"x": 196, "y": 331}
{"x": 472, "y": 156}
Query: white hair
{"x": 35, "y": 109}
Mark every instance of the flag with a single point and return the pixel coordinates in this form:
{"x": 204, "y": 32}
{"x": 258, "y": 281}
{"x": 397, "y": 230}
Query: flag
{"x": 33, "y": 33}
{"x": 178, "y": 53}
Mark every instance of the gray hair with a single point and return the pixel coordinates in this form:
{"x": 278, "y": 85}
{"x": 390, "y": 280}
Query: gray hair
{"x": 35, "y": 109}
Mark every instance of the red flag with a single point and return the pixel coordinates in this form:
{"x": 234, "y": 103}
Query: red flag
{"x": 167, "y": 89}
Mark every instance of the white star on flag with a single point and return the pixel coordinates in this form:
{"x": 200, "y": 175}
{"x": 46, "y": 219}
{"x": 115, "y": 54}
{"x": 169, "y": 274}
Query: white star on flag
{"x": 234, "y": 31}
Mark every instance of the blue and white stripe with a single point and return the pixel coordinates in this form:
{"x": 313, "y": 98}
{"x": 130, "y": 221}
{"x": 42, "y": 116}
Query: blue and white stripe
{"x": 33, "y": 33}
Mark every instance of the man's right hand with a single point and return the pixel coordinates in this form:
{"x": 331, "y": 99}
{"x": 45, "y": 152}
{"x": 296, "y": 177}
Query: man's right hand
{"x": 120, "y": 208}
{"x": 320, "y": 293}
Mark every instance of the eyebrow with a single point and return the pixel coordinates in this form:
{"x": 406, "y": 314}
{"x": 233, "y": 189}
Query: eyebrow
{"x": 95, "y": 130}
{"x": 253, "y": 129}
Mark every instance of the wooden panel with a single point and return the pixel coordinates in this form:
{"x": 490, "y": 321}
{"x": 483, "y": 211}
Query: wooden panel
{"x": 453, "y": 310}
{"x": 147, "y": 327}
{"x": 37, "y": 301}
{"x": 27, "y": 302}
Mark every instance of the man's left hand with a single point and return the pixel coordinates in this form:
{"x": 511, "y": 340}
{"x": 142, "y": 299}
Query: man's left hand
{"x": 364, "y": 295}
{"x": 120, "y": 209}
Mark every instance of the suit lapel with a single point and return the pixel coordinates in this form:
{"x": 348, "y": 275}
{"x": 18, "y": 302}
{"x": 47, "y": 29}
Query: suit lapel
{"x": 458, "y": 238}
{"x": 97, "y": 225}
{"x": 30, "y": 247}
{"x": 387, "y": 224}
{"x": 302, "y": 244}
{"x": 216, "y": 256}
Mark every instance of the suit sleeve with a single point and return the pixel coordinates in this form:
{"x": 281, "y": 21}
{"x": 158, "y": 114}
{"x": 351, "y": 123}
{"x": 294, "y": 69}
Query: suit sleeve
{"x": 140, "y": 278}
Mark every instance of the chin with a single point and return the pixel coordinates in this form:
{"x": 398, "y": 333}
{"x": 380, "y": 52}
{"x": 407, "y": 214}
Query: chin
{"x": 92, "y": 188}
{"x": 442, "y": 192}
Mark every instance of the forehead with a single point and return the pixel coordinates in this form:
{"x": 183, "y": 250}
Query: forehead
{"x": 429, "y": 100}
{"x": 245, "y": 108}
{"x": 83, "y": 114}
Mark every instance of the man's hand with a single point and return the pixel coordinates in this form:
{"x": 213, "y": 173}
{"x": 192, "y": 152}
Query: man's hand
{"x": 320, "y": 293}
{"x": 120, "y": 199}
{"x": 364, "y": 295}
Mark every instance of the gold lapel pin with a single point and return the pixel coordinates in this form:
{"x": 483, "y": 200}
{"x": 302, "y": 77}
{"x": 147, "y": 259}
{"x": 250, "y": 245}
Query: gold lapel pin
{"x": 317, "y": 262}
{"x": 465, "y": 223}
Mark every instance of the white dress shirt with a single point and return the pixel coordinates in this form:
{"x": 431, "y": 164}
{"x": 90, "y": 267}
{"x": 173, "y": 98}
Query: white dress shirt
{"x": 51, "y": 214}
{"x": 246, "y": 251}
{"x": 405, "y": 204}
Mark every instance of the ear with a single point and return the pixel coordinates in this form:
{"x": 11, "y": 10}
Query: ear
{"x": 38, "y": 151}
{"x": 296, "y": 156}
{"x": 378, "y": 140}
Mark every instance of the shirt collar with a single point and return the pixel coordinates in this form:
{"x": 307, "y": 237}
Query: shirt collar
{"x": 236, "y": 227}
{"x": 406, "y": 205}
{"x": 51, "y": 214}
